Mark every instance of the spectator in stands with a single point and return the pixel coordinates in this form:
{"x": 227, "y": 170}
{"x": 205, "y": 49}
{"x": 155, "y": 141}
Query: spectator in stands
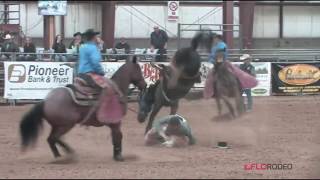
{"x": 100, "y": 44}
{"x": 59, "y": 47}
{"x": 75, "y": 45}
{"x": 1, "y": 38}
{"x": 76, "y": 42}
{"x": 8, "y": 46}
{"x": 28, "y": 47}
{"x": 122, "y": 45}
{"x": 159, "y": 39}
{"x": 218, "y": 44}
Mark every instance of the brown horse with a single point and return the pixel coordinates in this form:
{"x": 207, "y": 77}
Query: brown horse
{"x": 62, "y": 113}
{"x": 227, "y": 86}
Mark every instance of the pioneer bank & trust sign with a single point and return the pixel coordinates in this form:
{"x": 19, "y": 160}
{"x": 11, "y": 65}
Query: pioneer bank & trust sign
{"x": 20, "y": 73}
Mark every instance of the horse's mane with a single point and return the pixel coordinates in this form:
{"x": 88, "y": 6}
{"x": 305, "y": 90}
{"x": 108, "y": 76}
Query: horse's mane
{"x": 125, "y": 66}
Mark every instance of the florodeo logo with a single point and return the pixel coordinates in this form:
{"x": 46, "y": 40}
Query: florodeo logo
{"x": 299, "y": 74}
{"x": 16, "y": 73}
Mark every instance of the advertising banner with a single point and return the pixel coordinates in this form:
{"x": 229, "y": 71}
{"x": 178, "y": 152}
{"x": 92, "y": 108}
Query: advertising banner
{"x": 34, "y": 80}
{"x": 263, "y": 75}
{"x": 295, "y": 78}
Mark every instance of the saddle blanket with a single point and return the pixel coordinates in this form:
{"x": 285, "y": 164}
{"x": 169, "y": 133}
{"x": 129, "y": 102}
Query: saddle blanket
{"x": 110, "y": 109}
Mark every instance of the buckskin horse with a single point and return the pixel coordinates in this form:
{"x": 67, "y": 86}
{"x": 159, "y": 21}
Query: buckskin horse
{"x": 177, "y": 79}
{"x": 62, "y": 112}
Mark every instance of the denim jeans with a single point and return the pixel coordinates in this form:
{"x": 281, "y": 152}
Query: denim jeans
{"x": 60, "y": 58}
{"x": 249, "y": 98}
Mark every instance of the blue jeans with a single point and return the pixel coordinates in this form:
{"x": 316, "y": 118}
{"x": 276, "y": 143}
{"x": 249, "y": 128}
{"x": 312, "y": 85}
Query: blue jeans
{"x": 60, "y": 58}
{"x": 249, "y": 98}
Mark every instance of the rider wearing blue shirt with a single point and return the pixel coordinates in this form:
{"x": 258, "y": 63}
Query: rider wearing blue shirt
{"x": 90, "y": 56}
{"x": 219, "y": 45}
{"x": 89, "y": 68}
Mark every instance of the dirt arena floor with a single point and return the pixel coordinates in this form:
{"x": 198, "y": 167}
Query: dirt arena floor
{"x": 278, "y": 130}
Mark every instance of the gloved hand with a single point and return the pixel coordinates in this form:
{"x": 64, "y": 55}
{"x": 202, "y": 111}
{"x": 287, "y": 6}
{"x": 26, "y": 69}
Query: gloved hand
{"x": 168, "y": 143}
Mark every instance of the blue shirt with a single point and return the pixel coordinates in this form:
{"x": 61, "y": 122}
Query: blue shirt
{"x": 89, "y": 59}
{"x": 220, "y": 45}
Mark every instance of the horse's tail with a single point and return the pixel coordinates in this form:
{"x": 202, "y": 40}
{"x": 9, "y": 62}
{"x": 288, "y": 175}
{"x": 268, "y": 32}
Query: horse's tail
{"x": 203, "y": 38}
{"x": 31, "y": 124}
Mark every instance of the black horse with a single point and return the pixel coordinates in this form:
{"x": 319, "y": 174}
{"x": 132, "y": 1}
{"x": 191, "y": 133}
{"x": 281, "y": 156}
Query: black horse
{"x": 177, "y": 79}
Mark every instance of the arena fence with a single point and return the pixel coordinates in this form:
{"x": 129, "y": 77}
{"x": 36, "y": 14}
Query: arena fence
{"x": 20, "y": 81}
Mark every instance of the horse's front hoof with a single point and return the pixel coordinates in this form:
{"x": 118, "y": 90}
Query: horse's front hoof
{"x": 118, "y": 158}
{"x": 142, "y": 117}
{"x": 68, "y": 159}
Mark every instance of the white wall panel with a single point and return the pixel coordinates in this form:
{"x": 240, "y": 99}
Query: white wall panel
{"x": 236, "y": 20}
{"x": 31, "y": 22}
{"x": 82, "y": 16}
{"x": 266, "y": 22}
{"x": 131, "y": 23}
{"x": 301, "y": 21}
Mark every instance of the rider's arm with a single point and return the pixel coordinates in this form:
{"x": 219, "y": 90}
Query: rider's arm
{"x": 158, "y": 126}
{"x": 160, "y": 122}
{"x": 188, "y": 133}
{"x": 95, "y": 57}
{"x": 212, "y": 55}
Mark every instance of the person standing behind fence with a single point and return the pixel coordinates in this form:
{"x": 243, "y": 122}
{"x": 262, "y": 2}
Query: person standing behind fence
{"x": 29, "y": 47}
{"x": 75, "y": 45}
{"x": 100, "y": 44}
{"x": 159, "y": 40}
{"x": 76, "y": 42}
{"x": 123, "y": 45}
{"x": 59, "y": 47}
{"x": 8, "y": 46}
{"x": 248, "y": 68}
{"x": 218, "y": 44}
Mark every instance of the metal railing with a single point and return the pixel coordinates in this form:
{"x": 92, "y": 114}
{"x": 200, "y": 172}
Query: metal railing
{"x": 263, "y": 55}
{"x": 259, "y": 55}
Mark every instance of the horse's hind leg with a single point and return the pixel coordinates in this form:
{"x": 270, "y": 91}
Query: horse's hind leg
{"x": 239, "y": 103}
{"x": 54, "y": 137}
{"x": 52, "y": 143}
{"x": 229, "y": 105}
{"x": 219, "y": 105}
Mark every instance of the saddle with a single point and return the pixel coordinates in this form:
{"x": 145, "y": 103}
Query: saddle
{"x": 85, "y": 95}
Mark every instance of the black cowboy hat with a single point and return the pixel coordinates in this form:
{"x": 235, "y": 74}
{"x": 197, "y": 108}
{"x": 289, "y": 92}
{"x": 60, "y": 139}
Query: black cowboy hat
{"x": 90, "y": 33}
{"x": 76, "y": 34}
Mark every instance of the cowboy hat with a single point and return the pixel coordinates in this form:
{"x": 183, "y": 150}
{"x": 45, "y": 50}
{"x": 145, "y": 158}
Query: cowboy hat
{"x": 76, "y": 34}
{"x": 90, "y": 33}
{"x": 244, "y": 57}
{"x": 8, "y": 36}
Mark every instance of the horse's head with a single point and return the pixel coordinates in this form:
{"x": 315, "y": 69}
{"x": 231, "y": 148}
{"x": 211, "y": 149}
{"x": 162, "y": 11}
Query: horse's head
{"x": 129, "y": 73}
{"x": 135, "y": 74}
